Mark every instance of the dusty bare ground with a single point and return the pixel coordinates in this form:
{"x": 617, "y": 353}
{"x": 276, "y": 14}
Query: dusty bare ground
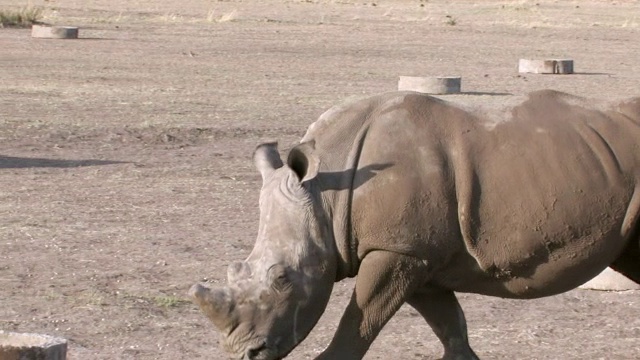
{"x": 125, "y": 171}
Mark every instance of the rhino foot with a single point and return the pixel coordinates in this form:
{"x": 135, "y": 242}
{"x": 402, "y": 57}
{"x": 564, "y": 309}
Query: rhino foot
{"x": 468, "y": 355}
{"x": 441, "y": 310}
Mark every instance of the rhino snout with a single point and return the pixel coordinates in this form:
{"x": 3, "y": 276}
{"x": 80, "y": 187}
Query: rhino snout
{"x": 261, "y": 351}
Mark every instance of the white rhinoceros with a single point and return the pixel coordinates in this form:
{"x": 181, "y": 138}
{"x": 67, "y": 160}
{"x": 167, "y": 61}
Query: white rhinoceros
{"x": 418, "y": 199}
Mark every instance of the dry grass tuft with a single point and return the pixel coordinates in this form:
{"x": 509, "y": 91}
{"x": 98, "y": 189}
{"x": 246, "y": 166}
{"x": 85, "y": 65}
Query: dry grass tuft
{"x": 170, "y": 301}
{"x": 23, "y": 17}
{"x": 171, "y": 18}
{"x": 226, "y": 17}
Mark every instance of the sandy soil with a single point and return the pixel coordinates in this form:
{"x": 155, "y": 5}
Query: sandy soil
{"x": 125, "y": 170}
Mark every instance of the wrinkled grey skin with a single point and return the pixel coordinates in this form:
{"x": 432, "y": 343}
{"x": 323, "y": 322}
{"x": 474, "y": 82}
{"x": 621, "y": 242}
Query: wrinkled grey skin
{"x": 419, "y": 199}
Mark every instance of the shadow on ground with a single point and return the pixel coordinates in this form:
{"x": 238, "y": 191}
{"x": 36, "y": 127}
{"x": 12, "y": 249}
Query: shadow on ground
{"x": 483, "y": 93}
{"x": 11, "y": 162}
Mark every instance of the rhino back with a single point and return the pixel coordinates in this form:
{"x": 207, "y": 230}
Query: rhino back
{"x": 499, "y": 209}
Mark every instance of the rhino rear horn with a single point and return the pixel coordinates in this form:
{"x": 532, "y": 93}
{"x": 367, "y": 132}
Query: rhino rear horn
{"x": 304, "y": 161}
{"x": 217, "y": 304}
{"x": 267, "y": 159}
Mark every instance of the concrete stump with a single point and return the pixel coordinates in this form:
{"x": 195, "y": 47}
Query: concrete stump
{"x": 610, "y": 280}
{"x": 54, "y": 32}
{"x": 430, "y": 85}
{"x": 550, "y": 66}
{"x": 17, "y": 346}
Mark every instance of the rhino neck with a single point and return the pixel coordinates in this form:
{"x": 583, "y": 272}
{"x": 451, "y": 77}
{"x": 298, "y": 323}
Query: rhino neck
{"x": 340, "y": 200}
{"x": 339, "y": 136}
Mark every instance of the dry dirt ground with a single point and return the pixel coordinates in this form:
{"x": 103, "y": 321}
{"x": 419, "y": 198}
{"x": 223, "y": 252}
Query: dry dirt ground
{"x": 125, "y": 169}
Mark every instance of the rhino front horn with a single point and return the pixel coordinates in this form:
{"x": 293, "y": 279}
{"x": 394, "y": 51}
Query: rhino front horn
{"x": 217, "y": 304}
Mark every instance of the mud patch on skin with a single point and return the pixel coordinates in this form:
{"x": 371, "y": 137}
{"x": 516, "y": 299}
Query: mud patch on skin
{"x": 491, "y": 117}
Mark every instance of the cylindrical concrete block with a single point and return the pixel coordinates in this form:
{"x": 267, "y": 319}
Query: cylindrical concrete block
{"x": 610, "y": 280}
{"x": 430, "y": 85}
{"x": 17, "y": 346}
{"x": 54, "y": 32}
{"x": 550, "y": 66}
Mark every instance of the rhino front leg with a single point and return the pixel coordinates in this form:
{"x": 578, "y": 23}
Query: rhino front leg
{"x": 443, "y": 313}
{"x": 385, "y": 281}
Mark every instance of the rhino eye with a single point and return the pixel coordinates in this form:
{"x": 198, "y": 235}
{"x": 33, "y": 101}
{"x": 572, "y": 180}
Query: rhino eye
{"x": 278, "y": 278}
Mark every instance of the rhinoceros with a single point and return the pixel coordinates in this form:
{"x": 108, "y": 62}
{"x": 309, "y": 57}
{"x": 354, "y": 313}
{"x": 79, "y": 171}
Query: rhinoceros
{"x": 418, "y": 198}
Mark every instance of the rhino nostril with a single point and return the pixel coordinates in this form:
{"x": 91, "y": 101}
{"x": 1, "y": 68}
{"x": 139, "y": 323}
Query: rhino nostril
{"x": 237, "y": 266}
{"x": 236, "y": 271}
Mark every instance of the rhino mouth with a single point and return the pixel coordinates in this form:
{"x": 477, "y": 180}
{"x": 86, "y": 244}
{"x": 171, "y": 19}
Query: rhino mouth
{"x": 262, "y": 351}
{"x": 257, "y": 350}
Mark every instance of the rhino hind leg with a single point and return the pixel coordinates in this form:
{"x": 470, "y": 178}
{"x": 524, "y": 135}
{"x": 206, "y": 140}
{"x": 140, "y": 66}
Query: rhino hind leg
{"x": 628, "y": 263}
{"x": 443, "y": 313}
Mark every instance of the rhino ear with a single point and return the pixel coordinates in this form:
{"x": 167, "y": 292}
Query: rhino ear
{"x": 267, "y": 158}
{"x": 303, "y": 161}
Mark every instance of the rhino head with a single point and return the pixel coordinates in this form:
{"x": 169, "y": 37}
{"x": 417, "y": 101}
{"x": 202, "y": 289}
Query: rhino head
{"x": 275, "y": 297}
